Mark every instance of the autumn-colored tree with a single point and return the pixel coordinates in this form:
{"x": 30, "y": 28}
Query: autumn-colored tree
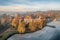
{"x": 32, "y": 26}
{"x": 27, "y": 19}
{"x": 21, "y": 27}
{"x": 40, "y": 21}
{"x": 15, "y": 23}
{"x": 44, "y": 20}
{"x": 40, "y": 24}
{"x": 4, "y": 21}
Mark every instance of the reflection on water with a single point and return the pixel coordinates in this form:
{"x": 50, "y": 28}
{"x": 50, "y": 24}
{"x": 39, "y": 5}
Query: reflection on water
{"x": 56, "y": 35}
{"x": 46, "y": 33}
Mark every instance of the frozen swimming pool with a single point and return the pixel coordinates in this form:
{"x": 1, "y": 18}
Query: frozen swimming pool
{"x": 47, "y": 33}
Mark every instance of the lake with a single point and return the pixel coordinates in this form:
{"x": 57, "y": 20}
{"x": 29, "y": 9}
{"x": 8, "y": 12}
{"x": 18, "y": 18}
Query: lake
{"x": 47, "y": 33}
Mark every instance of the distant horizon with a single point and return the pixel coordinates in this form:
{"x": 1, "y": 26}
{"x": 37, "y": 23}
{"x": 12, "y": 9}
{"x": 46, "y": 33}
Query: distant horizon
{"x": 30, "y": 11}
{"x": 29, "y": 5}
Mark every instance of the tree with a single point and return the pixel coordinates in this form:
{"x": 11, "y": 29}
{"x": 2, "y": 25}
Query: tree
{"x": 32, "y": 26}
{"x": 15, "y": 23}
{"x": 40, "y": 24}
{"x": 21, "y": 27}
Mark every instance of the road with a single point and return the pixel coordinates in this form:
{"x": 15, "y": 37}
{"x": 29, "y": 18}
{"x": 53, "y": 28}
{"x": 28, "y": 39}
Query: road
{"x": 47, "y": 33}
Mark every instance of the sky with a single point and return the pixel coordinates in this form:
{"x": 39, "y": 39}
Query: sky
{"x": 29, "y": 5}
